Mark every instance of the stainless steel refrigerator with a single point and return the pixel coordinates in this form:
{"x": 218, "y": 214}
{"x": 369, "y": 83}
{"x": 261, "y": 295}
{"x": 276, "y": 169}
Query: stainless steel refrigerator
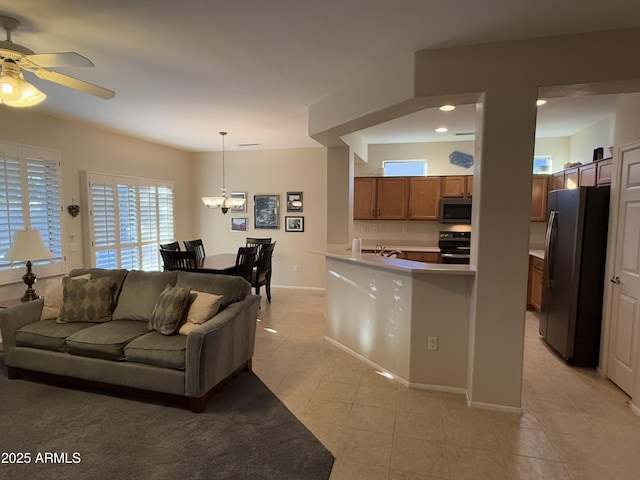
{"x": 574, "y": 271}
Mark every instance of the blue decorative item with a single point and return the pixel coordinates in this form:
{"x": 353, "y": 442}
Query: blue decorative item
{"x": 461, "y": 159}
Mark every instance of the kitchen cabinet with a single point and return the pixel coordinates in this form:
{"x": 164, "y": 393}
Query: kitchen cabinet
{"x": 382, "y": 198}
{"x": 603, "y": 172}
{"x": 539, "y": 194}
{"x": 424, "y": 198}
{"x": 429, "y": 257}
{"x": 457, "y": 186}
{"x": 571, "y": 178}
{"x": 587, "y": 175}
{"x": 558, "y": 181}
{"x": 536, "y": 277}
{"x": 364, "y": 198}
{"x": 392, "y": 198}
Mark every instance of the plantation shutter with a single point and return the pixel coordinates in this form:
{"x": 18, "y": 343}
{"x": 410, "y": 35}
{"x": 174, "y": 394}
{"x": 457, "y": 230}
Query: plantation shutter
{"x": 104, "y": 234}
{"x": 11, "y": 215}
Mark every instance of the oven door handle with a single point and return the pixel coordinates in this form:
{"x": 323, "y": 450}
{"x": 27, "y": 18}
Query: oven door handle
{"x": 454, "y": 255}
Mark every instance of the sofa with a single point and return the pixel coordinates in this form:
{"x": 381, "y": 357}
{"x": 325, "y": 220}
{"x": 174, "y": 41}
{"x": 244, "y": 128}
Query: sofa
{"x": 177, "y": 334}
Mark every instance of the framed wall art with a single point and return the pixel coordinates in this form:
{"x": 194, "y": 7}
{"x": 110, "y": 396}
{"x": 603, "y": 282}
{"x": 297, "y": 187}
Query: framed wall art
{"x": 294, "y": 224}
{"x": 294, "y": 201}
{"x": 243, "y": 196}
{"x": 238, "y": 224}
{"x": 266, "y": 211}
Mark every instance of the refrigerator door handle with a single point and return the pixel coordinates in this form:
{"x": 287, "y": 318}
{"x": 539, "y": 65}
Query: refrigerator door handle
{"x": 547, "y": 249}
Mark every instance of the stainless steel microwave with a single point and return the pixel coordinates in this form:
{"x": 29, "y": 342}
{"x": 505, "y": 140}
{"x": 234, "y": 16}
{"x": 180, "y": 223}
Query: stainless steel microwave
{"x": 455, "y": 210}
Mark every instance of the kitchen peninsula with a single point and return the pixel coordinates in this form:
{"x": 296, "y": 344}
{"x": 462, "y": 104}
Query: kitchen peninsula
{"x": 405, "y": 318}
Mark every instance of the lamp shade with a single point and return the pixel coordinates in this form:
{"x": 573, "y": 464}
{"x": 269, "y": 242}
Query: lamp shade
{"x": 27, "y": 245}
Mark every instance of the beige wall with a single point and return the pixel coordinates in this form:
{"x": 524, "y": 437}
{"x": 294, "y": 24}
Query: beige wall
{"x": 267, "y": 172}
{"x": 583, "y": 143}
{"x": 87, "y": 148}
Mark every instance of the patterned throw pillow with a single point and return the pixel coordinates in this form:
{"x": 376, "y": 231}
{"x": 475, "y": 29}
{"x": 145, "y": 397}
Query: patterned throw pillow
{"x": 86, "y": 300}
{"x": 169, "y": 310}
{"x": 53, "y": 297}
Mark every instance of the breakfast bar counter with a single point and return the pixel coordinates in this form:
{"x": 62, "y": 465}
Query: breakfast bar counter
{"x": 407, "y": 319}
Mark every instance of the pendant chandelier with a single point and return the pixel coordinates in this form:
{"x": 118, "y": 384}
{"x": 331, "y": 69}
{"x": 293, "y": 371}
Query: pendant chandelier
{"x": 223, "y": 202}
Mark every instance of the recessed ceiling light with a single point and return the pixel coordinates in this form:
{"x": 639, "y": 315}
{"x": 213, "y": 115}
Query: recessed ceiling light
{"x": 447, "y": 108}
{"x": 540, "y": 102}
{"x": 442, "y": 129}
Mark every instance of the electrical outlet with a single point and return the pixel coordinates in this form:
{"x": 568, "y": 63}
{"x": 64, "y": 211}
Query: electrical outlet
{"x": 432, "y": 343}
{"x": 375, "y": 229}
{"x": 363, "y": 229}
{"x": 296, "y": 268}
{"x": 405, "y": 229}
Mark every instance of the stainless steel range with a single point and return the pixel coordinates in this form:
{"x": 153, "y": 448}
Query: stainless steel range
{"x": 455, "y": 247}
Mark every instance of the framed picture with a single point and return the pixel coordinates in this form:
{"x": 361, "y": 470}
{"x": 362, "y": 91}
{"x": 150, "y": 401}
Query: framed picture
{"x": 243, "y": 196}
{"x": 266, "y": 211}
{"x": 294, "y": 224}
{"x": 238, "y": 224}
{"x": 294, "y": 201}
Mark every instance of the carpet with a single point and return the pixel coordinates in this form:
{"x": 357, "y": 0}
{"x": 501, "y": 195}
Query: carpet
{"x": 72, "y": 433}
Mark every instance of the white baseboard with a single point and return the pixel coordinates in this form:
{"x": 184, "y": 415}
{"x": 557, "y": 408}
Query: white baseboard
{"x": 492, "y": 406}
{"x": 296, "y": 287}
{"x": 634, "y": 408}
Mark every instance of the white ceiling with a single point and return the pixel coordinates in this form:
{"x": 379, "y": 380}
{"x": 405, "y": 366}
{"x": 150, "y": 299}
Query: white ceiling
{"x": 183, "y": 71}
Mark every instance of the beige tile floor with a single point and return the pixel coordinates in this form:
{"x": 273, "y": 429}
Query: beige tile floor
{"x": 575, "y": 425}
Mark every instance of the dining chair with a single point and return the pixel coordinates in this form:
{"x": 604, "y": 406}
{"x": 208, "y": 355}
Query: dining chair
{"x": 195, "y": 245}
{"x": 257, "y": 242}
{"x": 175, "y": 246}
{"x": 262, "y": 273}
{"x": 177, "y": 260}
{"x": 245, "y": 260}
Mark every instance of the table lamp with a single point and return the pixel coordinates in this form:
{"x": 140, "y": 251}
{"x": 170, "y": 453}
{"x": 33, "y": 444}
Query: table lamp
{"x": 28, "y": 245}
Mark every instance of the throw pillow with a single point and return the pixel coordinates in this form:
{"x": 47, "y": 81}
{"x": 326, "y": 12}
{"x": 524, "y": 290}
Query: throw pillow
{"x": 169, "y": 310}
{"x": 86, "y": 300}
{"x": 53, "y": 298}
{"x": 202, "y": 307}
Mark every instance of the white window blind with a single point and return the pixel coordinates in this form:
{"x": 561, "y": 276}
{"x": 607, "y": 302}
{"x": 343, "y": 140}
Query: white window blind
{"x": 30, "y": 192}
{"x": 130, "y": 217}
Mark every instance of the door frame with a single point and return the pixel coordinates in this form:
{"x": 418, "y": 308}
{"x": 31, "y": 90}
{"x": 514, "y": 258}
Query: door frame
{"x": 616, "y": 179}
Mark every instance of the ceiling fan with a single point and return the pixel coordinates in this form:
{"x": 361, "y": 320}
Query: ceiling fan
{"x": 17, "y": 92}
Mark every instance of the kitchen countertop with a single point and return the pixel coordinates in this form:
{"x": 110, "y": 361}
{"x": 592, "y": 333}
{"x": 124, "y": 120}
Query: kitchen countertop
{"x": 402, "y": 248}
{"x": 537, "y": 253}
{"x": 407, "y": 266}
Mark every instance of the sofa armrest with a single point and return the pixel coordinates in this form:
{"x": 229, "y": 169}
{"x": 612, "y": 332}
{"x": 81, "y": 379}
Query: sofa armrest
{"x": 14, "y": 318}
{"x": 220, "y": 346}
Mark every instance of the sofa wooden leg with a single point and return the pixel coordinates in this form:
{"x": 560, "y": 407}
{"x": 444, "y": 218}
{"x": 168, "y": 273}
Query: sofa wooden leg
{"x": 13, "y": 373}
{"x": 198, "y": 405}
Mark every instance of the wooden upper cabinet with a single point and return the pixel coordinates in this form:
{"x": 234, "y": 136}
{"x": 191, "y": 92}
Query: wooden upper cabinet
{"x": 469, "y": 184}
{"x": 539, "y": 192}
{"x": 603, "y": 174}
{"x": 557, "y": 181}
{"x": 571, "y": 178}
{"x": 587, "y": 175}
{"x": 453, "y": 186}
{"x": 393, "y": 197}
{"x": 424, "y": 198}
{"x": 364, "y": 198}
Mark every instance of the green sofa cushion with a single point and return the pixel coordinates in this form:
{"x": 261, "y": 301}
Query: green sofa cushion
{"x": 140, "y": 293}
{"x": 153, "y": 348}
{"x": 48, "y": 334}
{"x": 106, "y": 340}
{"x": 233, "y": 289}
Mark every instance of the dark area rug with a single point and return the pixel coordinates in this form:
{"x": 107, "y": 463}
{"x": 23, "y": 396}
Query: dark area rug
{"x": 72, "y": 433}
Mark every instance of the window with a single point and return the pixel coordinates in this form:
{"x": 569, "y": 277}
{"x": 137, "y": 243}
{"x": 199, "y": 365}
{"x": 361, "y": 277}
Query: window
{"x": 30, "y": 191}
{"x": 542, "y": 164}
{"x": 130, "y": 218}
{"x": 405, "y": 168}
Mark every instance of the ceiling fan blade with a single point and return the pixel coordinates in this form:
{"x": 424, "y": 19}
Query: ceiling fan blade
{"x": 62, "y": 59}
{"x": 74, "y": 83}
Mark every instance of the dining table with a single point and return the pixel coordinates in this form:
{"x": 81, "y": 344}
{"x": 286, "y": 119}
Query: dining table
{"x": 224, "y": 263}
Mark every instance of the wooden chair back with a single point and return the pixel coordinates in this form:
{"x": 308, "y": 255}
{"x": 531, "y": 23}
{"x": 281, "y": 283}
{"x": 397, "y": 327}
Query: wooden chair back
{"x": 177, "y": 260}
{"x": 196, "y": 246}
{"x": 175, "y": 246}
{"x": 245, "y": 260}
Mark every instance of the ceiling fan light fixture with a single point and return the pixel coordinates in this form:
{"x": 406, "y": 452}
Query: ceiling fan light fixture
{"x": 29, "y": 97}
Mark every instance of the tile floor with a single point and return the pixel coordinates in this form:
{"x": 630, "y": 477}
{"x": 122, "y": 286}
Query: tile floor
{"x": 575, "y": 426}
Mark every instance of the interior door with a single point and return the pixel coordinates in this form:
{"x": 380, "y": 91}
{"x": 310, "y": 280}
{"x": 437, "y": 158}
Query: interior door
{"x": 625, "y": 308}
